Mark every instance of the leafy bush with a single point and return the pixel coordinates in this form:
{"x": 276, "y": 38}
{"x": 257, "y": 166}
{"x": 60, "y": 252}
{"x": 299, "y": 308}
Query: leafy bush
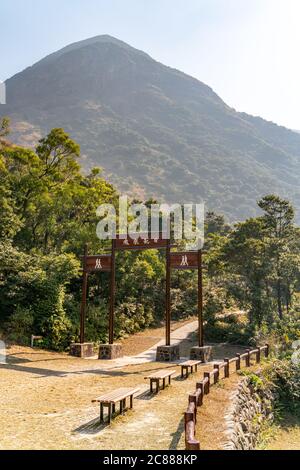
{"x": 132, "y": 317}
{"x": 226, "y": 330}
{"x": 20, "y": 326}
{"x": 32, "y": 293}
{"x": 57, "y": 328}
{"x": 287, "y": 378}
{"x": 214, "y": 305}
{"x": 96, "y": 326}
{"x": 280, "y": 334}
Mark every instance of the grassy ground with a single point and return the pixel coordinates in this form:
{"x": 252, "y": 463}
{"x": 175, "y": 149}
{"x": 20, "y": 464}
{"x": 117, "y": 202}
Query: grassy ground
{"x": 45, "y": 402}
{"x": 287, "y": 434}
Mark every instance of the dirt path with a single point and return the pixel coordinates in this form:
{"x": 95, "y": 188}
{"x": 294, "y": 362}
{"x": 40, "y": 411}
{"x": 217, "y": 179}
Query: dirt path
{"x": 147, "y": 339}
{"x": 179, "y": 336}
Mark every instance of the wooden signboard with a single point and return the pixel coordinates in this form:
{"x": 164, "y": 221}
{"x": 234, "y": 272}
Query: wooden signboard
{"x": 97, "y": 263}
{"x": 185, "y": 260}
{"x": 141, "y": 241}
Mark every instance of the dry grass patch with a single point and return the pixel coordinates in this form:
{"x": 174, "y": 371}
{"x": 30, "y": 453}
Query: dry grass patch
{"x": 45, "y": 400}
{"x": 45, "y": 403}
{"x": 211, "y": 425}
{"x": 287, "y": 436}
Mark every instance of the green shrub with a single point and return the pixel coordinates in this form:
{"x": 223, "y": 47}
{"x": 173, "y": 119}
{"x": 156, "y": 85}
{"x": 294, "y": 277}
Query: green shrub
{"x": 20, "y": 326}
{"x": 287, "y": 377}
{"x": 214, "y": 306}
{"x": 280, "y": 334}
{"x": 132, "y": 317}
{"x": 57, "y": 329}
{"x": 32, "y": 293}
{"x": 96, "y": 325}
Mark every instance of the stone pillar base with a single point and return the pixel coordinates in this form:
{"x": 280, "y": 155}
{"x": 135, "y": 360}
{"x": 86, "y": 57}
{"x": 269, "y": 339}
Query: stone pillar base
{"x": 82, "y": 349}
{"x": 110, "y": 351}
{"x": 167, "y": 353}
{"x": 203, "y": 354}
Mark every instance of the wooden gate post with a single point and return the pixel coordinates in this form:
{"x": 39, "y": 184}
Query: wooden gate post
{"x": 168, "y": 293}
{"x": 200, "y": 301}
{"x": 84, "y": 295}
{"x": 112, "y": 293}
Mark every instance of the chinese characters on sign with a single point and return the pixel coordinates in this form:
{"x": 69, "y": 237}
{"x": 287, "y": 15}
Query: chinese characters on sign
{"x": 100, "y": 263}
{"x": 186, "y": 260}
{"x": 141, "y": 242}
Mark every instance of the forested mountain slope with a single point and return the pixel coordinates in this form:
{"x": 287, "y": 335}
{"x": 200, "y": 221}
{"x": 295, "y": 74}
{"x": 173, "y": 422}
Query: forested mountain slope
{"x": 155, "y": 131}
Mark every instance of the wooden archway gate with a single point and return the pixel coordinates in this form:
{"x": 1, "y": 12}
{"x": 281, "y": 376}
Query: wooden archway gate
{"x": 107, "y": 263}
{"x": 191, "y": 260}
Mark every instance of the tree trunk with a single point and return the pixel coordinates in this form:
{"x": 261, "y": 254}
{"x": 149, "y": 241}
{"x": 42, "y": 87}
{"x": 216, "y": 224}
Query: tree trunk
{"x": 279, "y": 303}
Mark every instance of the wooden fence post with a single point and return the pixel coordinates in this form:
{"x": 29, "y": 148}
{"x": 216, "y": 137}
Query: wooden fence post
{"x": 188, "y": 416}
{"x": 267, "y": 350}
{"x": 194, "y": 445}
{"x": 248, "y": 358}
{"x": 238, "y": 362}
{"x": 258, "y": 356}
{"x": 207, "y": 387}
{"x": 200, "y": 386}
{"x": 193, "y": 399}
{"x": 203, "y": 388}
{"x": 227, "y": 370}
{"x": 217, "y": 375}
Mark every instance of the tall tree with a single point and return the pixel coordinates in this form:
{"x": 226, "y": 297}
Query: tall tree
{"x": 278, "y": 220}
{"x": 55, "y": 203}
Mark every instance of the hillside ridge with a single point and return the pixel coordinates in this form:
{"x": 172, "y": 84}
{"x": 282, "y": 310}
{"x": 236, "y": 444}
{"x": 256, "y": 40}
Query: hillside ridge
{"x": 155, "y": 131}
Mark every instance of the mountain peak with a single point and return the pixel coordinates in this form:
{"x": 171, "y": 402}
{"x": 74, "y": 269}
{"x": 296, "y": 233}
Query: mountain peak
{"x": 155, "y": 131}
{"x": 96, "y": 40}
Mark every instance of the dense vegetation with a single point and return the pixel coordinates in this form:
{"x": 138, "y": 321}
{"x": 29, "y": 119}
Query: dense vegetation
{"x": 155, "y": 131}
{"x": 47, "y": 214}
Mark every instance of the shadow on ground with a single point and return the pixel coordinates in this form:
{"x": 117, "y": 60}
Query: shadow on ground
{"x": 92, "y": 427}
{"x": 176, "y": 436}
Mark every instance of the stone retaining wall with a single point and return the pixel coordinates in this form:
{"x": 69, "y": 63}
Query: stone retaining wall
{"x": 251, "y": 413}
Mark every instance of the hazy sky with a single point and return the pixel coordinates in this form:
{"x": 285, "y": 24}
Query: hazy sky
{"x": 246, "y": 50}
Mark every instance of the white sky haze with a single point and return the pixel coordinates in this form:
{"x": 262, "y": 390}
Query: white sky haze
{"x": 246, "y": 50}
